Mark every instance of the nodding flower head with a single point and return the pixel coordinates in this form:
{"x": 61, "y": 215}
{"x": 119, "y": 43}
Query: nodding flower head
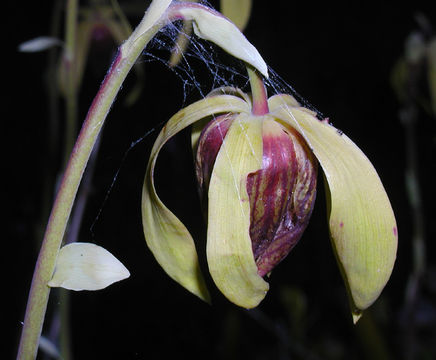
{"x": 256, "y": 164}
{"x": 257, "y": 173}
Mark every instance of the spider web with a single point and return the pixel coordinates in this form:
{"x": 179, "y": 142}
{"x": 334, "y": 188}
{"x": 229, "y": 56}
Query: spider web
{"x": 204, "y": 66}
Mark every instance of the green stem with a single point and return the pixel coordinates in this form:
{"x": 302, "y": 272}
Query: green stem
{"x": 159, "y": 14}
{"x": 258, "y": 92}
{"x": 39, "y": 291}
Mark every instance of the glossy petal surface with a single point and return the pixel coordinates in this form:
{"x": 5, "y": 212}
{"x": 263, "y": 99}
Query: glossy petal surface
{"x": 229, "y": 250}
{"x": 167, "y": 238}
{"x": 362, "y": 224}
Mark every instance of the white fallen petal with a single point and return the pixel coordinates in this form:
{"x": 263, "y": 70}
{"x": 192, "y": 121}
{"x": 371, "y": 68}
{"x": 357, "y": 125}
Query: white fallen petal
{"x": 40, "y": 43}
{"x": 212, "y": 26}
{"x": 86, "y": 266}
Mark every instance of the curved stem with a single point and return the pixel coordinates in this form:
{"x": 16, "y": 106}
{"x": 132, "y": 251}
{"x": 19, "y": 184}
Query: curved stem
{"x": 159, "y": 13}
{"x": 258, "y": 92}
{"x": 39, "y": 291}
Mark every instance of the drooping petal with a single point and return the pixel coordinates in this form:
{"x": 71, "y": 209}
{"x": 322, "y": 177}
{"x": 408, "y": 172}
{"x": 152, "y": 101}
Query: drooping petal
{"x": 362, "y": 224}
{"x": 210, "y": 141}
{"x": 86, "y": 266}
{"x": 229, "y": 252}
{"x": 167, "y": 238}
{"x": 238, "y": 11}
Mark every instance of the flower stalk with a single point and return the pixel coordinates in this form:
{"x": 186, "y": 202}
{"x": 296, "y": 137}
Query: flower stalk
{"x": 39, "y": 291}
{"x": 258, "y": 93}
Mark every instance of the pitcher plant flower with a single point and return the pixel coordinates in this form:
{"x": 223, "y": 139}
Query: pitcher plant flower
{"x": 256, "y": 165}
{"x": 256, "y": 161}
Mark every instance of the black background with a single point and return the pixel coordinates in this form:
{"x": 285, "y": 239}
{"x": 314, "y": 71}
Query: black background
{"x": 339, "y": 58}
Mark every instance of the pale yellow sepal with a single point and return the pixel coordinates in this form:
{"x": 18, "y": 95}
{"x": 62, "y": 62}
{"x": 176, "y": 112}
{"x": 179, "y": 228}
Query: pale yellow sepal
{"x": 214, "y": 27}
{"x": 229, "y": 253}
{"x": 86, "y": 266}
{"x": 238, "y": 11}
{"x": 167, "y": 238}
{"x": 362, "y": 224}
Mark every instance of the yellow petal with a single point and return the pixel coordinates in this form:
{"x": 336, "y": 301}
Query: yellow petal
{"x": 279, "y": 101}
{"x": 224, "y": 90}
{"x": 362, "y": 223}
{"x": 229, "y": 252}
{"x": 238, "y": 11}
{"x": 167, "y": 238}
{"x": 213, "y": 27}
{"x": 86, "y": 266}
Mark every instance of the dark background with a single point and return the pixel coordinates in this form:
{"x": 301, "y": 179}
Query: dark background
{"x": 339, "y": 58}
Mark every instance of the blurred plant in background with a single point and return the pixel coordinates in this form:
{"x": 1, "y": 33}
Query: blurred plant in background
{"x": 414, "y": 82}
